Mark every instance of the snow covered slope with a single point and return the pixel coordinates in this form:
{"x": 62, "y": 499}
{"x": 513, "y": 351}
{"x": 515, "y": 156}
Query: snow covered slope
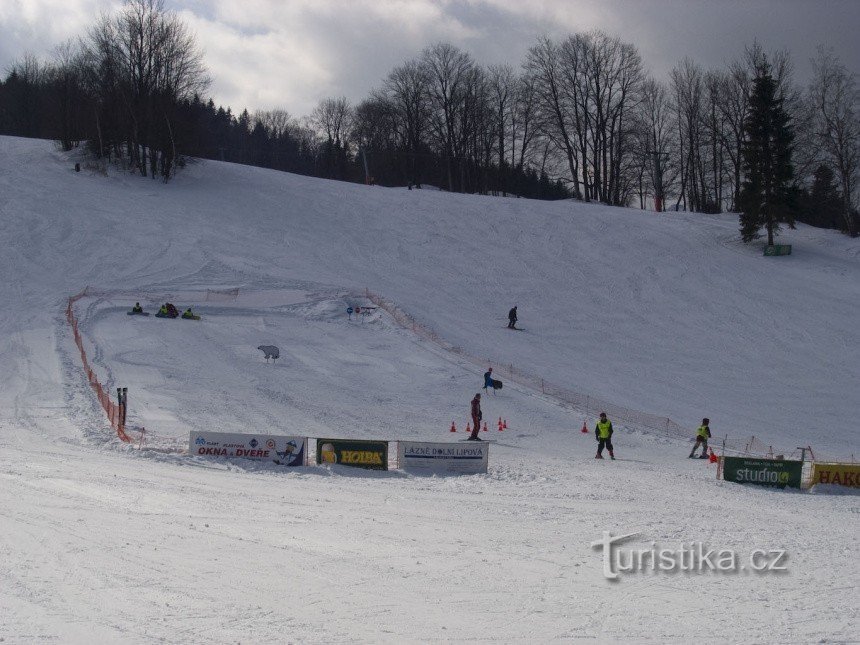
{"x": 664, "y": 313}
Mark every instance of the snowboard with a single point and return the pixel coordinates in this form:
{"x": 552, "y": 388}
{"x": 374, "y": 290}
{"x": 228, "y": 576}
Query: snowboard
{"x": 136, "y": 313}
{"x": 194, "y": 317}
{"x": 497, "y": 385}
{"x": 160, "y": 315}
{"x": 516, "y": 328}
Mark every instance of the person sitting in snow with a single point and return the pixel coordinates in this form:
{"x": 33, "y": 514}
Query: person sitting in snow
{"x": 188, "y": 314}
{"x": 163, "y": 310}
{"x": 137, "y": 309}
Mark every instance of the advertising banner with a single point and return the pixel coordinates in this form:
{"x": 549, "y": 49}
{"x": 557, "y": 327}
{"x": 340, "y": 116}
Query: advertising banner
{"x": 284, "y": 451}
{"x": 443, "y": 458}
{"x": 764, "y": 472}
{"x": 353, "y": 452}
{"x": 839, "y": 474}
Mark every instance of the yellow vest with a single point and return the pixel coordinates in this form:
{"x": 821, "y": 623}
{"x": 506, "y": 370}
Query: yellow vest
{"x": 702, "y": 432}
{"x": 603, "y": 429}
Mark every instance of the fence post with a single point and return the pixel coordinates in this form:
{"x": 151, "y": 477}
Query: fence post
{"x": 118, "y": 414}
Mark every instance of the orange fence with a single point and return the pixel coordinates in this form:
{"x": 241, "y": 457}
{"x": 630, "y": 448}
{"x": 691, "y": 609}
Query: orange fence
{"x": 112, "y": 410}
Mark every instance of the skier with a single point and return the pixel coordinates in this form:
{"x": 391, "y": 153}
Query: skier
{"x": 603, "y": 432}
{"x": 512, "y": 318}
{"x": 703, "y": 433}
{"x": 477, "y": 415}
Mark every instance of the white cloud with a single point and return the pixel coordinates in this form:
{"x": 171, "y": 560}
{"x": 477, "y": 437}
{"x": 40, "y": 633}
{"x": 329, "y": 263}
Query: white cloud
{"x": 292, "y": 53}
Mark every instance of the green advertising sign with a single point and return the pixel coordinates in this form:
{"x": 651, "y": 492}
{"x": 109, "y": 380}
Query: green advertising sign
{"x": 764, "y": 472}
{"x": 353, "y": 452}
{"x": 778, "y": 249}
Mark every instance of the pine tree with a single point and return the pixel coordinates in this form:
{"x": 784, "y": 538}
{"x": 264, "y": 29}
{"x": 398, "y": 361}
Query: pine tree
{"x": 766, "y": 197}
{"x": 826, "y": 200}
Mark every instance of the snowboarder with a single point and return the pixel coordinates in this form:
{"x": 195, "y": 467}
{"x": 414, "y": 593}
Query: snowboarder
{"x": 703, "y": 433}
{"x": 512, "y": 318}
{"x": 490, "y": 382}
{"x": 603, "y": 432}
{"x": 137, "y": 309}
{"x": 477, "y": 415}
{"x": 189, "y": 315}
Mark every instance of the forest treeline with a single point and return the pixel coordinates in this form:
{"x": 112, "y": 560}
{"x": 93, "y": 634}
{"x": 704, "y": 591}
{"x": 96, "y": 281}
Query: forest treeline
{"x": 581, "y": 117}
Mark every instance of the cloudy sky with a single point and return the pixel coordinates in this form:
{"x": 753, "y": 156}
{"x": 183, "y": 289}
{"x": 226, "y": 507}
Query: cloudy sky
{"x": 292, "y": 53}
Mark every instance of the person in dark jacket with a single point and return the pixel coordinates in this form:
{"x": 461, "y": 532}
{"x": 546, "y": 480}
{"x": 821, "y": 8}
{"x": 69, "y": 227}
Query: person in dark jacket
{"x": 477, "y": 415}
{"x": 137, "y": 309}
{"x": 703, "y": 433}
{"x": 603, "y": 432}
{"x": 512, "y": 318}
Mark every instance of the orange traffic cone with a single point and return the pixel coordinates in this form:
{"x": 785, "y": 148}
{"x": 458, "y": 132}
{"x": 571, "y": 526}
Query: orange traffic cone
{"x": 484, "y": 429}
{"x": 505, "y": 424}
{"x": 453, "y": 427}
{"x": 500, "y": 424}
{"x": 584, "y": 428}
{"x": 712, "y": 459}
{"x": 468, "y": 429}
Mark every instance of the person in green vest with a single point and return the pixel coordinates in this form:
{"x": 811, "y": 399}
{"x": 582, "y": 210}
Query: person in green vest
{"x": 137, "y": 309}
{"x": 603, "y": 432}
{"x": 703, "y": 433}
{"x": 162, "y": 310}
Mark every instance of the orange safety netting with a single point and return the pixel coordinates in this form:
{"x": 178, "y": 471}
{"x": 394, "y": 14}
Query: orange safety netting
{"x": 112, "y": 410}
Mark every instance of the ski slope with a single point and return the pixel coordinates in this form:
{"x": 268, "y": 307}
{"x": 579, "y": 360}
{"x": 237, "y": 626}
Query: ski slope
{"x": 666, "y": 313}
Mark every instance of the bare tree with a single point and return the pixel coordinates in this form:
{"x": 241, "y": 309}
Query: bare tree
{"x": 503, "y": 86}
{"x": 66, "y": 80}
{"x": 733, "y": 103}
{"x": 277, "y": 122}
{"x": 687, "y": 88}
{"x": 551, "y": 79}
{"x": 524, "y": 123}
{"x": 333, "y": 118}
{"x": 140, "y": 64}
{"x": 657, "y": 142}
{"x": 407, "y": 89}
{"x": 449, "y": 72}
{"x": 833, "y": 92}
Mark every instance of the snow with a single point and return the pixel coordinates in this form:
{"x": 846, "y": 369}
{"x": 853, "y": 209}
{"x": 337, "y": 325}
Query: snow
{"x": 668, "y": 314}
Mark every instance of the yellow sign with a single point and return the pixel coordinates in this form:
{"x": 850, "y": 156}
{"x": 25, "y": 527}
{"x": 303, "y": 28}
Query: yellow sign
{"x": 839, "y": 474}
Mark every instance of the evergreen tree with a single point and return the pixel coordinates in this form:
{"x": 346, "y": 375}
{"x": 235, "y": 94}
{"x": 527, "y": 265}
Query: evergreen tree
{"x": 823, "y": 206}
{"x": 766, "y": 197}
